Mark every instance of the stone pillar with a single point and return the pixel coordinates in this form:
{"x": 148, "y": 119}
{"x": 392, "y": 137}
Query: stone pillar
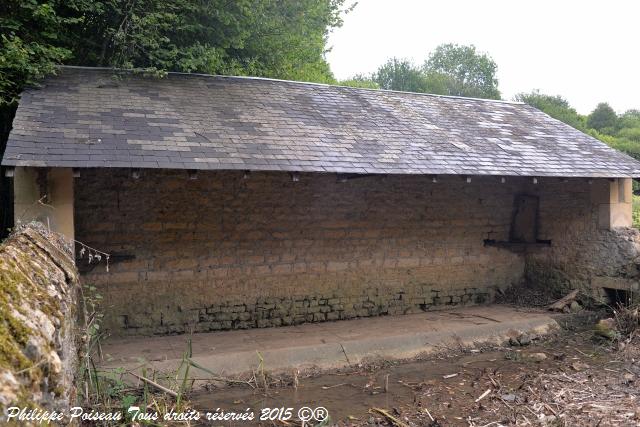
{"x": 613, "y": 198}
{"x": 45, "y": 195}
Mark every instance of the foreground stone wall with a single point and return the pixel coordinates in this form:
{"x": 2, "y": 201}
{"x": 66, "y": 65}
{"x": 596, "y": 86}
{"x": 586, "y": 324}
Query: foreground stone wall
{"x": 223, "y": 252}
{"x": 38, "y": 313}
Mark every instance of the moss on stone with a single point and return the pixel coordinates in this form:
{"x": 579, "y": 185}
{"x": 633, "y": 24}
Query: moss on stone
{"x": 26, "y": 272}
{"x": 13, "y": 333}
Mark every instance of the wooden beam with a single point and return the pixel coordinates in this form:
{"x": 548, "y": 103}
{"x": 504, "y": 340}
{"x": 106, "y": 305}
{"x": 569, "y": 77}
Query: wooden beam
{"x": 344, "y": 177}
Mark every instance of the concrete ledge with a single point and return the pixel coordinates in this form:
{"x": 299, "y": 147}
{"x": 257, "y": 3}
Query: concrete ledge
{"x": 331, "y": 345}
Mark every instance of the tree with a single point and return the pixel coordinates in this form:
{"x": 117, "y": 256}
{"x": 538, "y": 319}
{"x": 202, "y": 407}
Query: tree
{"x": 603, "y": 118}
{"x": 449, "y": 70}
{"x": 400, "y": 74}
{"x": 632, "y": 134}
{"x": 360, "y": 81}
{"x": 271, "y": 38}
{"x": 629, "y": 119}
{"x": 555, "y": 106}
{"x": 403, "y": 75}
{"x": 464, "y": 71}
{"x": 290, "y": 39}
{"x": 621, "y": 133}
{"x": 30, "y": 46}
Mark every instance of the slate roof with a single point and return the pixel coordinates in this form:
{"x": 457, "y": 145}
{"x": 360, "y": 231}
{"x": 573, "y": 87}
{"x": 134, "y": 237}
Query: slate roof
{"x": 85, "y": 117}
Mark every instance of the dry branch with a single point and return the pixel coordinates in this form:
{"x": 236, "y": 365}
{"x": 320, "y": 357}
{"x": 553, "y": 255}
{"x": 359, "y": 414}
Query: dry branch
{"x": 390, "y": 417}
{"x": 564, "y": 301}
{"x": 155, "y": 384}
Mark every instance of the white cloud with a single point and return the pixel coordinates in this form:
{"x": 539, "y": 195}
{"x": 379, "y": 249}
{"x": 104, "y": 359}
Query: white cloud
{"x": 586, "y": 51}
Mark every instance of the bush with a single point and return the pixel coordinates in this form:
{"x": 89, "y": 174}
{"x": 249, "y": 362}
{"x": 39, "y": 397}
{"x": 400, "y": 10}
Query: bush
{"x": 627, "y": 321}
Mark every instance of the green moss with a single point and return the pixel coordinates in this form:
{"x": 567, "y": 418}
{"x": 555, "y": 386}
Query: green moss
{"x": 11, "y": 356}
{"x": 13, "y": 334}
{"x": 16, "y": 291}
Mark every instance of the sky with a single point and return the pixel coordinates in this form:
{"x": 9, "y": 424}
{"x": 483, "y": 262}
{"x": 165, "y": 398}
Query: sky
{"x": 586, "y": 51}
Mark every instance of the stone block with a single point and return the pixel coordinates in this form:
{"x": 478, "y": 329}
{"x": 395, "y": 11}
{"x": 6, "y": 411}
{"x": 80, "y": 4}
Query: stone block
{"x": 334, "y": 315}
{"x": 230, "y": 248}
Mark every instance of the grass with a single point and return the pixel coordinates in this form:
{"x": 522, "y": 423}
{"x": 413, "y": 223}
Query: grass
{"x": 154, "y": 392}
{"x": 108, "y": 391}
{"x": 636, "y": 211}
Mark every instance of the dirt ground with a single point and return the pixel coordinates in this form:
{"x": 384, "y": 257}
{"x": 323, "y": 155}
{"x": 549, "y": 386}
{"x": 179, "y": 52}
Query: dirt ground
{"x": 570, "y": 379}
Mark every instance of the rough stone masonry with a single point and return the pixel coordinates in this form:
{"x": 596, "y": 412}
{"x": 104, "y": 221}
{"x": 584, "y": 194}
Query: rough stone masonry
{"x": 38, "y": 321}
{"x": 225, "y": 251}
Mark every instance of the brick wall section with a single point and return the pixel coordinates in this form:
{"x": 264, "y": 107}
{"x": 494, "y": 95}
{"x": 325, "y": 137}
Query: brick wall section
{"x": 224, "y": 252}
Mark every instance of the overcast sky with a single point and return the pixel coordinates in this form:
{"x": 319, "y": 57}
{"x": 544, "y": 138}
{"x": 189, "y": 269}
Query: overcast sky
{"x": 587, "y": 51}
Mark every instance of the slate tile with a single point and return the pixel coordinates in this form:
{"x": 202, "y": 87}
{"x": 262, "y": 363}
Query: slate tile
{"x": 206, "y": 122}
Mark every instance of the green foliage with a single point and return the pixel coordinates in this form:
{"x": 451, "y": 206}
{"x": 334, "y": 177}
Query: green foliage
{"x": 272, "y": 38}
{"x": 555, "y": 106}
{"x": 450, "y": 70}
{"x": 603, "y": 118}
{"x": 629, "y": 119}
{"x": 402, "y": 75}
{"x": 464, "y": 70}
{"x": 29, "y": 43}
{"x": 625, "y": 145}
{"x": 360, "y": 81}
{"x": 632, "y": 134}
{"x": 621, "y": 133}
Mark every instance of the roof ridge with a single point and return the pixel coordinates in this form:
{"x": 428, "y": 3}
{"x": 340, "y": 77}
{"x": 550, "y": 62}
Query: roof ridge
{"x": 179, "y": 73}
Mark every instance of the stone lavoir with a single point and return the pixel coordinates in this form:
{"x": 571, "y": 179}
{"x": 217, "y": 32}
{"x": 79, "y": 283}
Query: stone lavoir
{"x": 230, "y": 203}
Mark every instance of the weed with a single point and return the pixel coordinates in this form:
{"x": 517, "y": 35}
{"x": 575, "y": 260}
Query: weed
{"x": 106, "y": 389}
{"x": 627, "y": 321}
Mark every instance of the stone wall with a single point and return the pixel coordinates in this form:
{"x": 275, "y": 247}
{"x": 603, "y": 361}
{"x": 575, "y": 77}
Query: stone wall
{"x": 38, "y": 313}
{"x": 225, "y": 252}
{"x": 583, "y": 255}
{"x": 222, "y": 252}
